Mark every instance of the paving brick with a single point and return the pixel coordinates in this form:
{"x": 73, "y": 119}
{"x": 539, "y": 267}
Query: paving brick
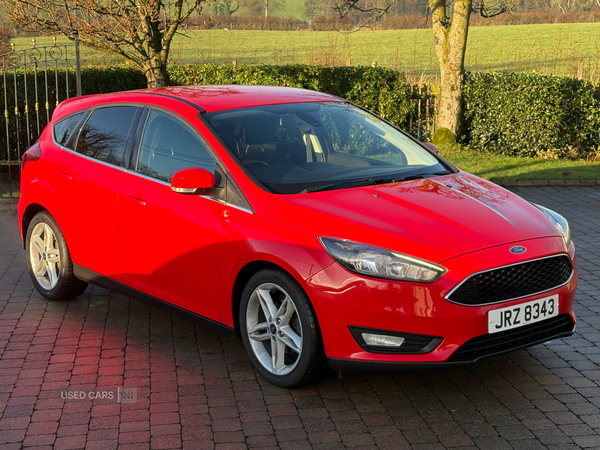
{"x": 70, "y": 442}
{"x": 221, "y": 412}
{"x": 286, "y": 422}
{"x": 164, "y": 418}
{"x": 169, "y": 441}
{"x": 197, "y": 433}
{"x": 72, "y": 430}
{"x": 133, "y": 437}
{"x": 228, "y": 437}
{"x": 81, "y": 418}
{"x": 254, "y": 416}
{"x": 39, "y": 440}
{"x": 587, "y": 441}
{"x": 296, "y": 445}
{"x": 257, "y": 428}
{"x": 320, "y": 437}
{"x": 42, "y": 428}
{"x": 104, "y": 444}
{"x": 262, "y": 441}
{"x": 14, "y": 423}
{"x": 158, "y": 430}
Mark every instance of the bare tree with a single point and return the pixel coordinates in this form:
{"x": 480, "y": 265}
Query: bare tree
{"x": 141, "y": 31}
{"x": 450, "y": 23}
{"x": 265, "y": 6}
{"x": 574, "y": 5}
{"x": 227, "y": 7}
{"x": 313, "y": 8}
{"x": 6, "y": 35}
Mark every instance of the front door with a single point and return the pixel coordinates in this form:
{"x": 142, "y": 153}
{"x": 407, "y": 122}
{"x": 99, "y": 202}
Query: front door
{"x": 170, "y": 241}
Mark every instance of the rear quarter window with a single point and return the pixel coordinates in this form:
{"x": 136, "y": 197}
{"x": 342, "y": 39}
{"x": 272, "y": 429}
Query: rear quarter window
{"x": 63, "y": 129}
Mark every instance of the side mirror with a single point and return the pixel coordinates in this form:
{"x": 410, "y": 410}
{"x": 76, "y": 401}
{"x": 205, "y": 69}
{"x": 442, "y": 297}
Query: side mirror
{"x": 192, "y": 181}
{"x": 431, "y": 147}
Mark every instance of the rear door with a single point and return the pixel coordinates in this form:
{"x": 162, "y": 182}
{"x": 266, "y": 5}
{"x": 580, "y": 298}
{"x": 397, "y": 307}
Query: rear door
{"x": 169, "y": 241}
{"x": 90, "y": 171}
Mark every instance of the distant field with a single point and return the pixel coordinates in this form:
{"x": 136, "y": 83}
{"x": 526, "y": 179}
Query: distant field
{"x": 550, "y": 48}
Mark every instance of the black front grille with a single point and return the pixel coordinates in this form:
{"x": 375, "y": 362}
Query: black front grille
{"x": 519, "y": 280}
{"x": 505, "y": 341}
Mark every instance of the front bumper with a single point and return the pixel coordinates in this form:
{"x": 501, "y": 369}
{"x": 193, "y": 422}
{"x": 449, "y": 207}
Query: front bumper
{"x": 343, "y": 299}
{"x": 474, "y": 350}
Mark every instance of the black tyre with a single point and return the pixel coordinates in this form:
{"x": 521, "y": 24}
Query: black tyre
{"x": 280, "y": 330}
{"x": 49, "y": 261}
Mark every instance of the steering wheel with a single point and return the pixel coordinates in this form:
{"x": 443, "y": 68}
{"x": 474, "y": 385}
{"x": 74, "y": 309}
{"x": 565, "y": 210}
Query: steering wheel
{"x": 255, "y": 161}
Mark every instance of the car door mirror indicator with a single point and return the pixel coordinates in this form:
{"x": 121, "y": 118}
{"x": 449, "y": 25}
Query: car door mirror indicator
{"x": 192, "y": 181}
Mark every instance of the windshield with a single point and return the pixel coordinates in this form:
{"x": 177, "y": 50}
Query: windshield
{"x": 306, "y": 147}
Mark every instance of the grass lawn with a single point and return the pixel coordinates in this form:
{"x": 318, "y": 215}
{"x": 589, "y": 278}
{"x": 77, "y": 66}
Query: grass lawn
{"x": 548, "y": 48}
{"x": 502, "y": 168}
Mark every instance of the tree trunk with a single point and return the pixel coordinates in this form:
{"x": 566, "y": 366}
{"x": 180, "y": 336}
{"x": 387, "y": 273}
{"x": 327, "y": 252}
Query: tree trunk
{"x": 450, "y": 45}
{"x": 450, "y": 106}
{"x": 156, "y": 73}
{"x": 266, "y": 12}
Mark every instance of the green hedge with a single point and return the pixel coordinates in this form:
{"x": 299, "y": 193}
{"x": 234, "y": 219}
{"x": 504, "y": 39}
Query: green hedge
{"x": 99, "y": 80}
{"x": 531, "y": 115}
{"x": 384, "y": 91}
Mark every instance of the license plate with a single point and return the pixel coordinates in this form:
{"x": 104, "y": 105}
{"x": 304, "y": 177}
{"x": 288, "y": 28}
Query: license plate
{"x": 502, "y": 319}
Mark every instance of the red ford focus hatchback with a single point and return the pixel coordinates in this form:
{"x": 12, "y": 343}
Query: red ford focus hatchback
{"x": 316, "y": 231}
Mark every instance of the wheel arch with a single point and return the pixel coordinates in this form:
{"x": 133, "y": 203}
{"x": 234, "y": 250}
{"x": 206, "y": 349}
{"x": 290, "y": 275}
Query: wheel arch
{"x": 30, "y": 211}
{"x": 242, "y": 279}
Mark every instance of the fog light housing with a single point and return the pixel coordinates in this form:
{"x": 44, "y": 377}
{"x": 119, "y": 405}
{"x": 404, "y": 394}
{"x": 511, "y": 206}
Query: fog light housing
{"x": 383, "y": 341}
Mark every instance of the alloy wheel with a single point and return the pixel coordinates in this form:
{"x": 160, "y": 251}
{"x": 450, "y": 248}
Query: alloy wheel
{"x": 44, "y": 256}
{"x": 274, "y": 329}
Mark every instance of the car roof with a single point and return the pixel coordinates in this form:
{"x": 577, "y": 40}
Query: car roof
{"x": 211, "y": 97}
{"x": 220, "y": 97}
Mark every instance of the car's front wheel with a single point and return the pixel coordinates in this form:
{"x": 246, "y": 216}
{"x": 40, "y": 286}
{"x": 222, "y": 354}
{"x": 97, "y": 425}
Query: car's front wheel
{"x": 49, "y": 261}
{"x": 280, "y": 330}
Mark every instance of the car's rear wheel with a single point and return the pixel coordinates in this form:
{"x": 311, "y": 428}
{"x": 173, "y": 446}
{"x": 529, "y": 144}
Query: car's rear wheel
{"x": 49, "y": 261}
{"x": 280, "y": 330}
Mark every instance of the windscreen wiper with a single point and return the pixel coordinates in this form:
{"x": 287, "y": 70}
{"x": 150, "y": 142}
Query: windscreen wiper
{"x": 348, "y": 184}
{"x": 423, "y": 175}
{"x": 368, "y": 182}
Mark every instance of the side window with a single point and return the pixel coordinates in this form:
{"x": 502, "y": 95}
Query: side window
{"x": 169, "y": 146}
{"x": 64, "y": 128}
{"x": 104, "y": 134}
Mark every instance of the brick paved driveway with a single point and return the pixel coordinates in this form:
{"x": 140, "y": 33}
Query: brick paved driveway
{"x": 197, "y": 390}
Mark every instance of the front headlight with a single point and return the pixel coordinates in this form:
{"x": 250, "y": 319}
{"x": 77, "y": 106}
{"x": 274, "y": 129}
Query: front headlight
{"x": 381, "y": 263}
{"x": 559, "y": 222}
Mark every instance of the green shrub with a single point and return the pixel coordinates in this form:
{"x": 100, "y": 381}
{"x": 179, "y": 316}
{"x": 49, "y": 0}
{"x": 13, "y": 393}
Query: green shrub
{"x": 443, "y": 136}
{"x": 100, "y": 80}
{"x": 531, "y": 115}
{"x": 384, "y": 91}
